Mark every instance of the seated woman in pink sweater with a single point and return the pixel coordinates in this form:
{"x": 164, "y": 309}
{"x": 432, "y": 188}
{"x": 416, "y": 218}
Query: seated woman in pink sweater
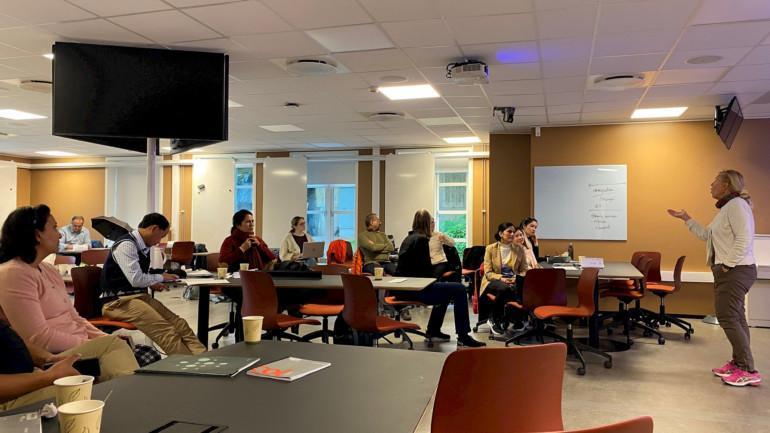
{"x": 34, "y": 301}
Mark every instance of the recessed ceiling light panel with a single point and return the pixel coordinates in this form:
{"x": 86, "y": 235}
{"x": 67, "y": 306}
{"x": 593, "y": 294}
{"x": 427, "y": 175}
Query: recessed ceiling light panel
{"x": 19, "y": 115}
{"x": 658, "y": 113}
{"x": 55, "y": 153}
{"x": 398, "y": 93}
{"x": 281, "y": 128}
{"x": 463, "y": 140}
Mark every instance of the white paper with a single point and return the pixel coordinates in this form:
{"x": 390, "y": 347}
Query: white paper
{"x": 204, "y": 281}
{"x": 592, "y": 262}
{"x": 79, "y": 248}
{"x": 397, "y": 280}
{"x": 200, "y": 273}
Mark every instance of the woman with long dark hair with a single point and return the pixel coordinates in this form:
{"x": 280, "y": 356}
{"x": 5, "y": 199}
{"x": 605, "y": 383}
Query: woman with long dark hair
{"x": 243, "y": 246}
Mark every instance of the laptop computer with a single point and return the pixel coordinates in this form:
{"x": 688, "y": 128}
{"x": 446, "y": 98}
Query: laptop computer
{"x": 313, "y": 250}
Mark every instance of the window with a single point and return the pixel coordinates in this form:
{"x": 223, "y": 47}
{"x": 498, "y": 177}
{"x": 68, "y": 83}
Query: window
{"x": 452, "y": 206}
{"x": 331, "y": 212}
{"x": 244, "y": 188}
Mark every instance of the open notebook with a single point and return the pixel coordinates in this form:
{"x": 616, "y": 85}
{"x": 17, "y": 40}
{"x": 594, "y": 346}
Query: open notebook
{"x": 200, "y": 365}
{"x": 288, "y": 369}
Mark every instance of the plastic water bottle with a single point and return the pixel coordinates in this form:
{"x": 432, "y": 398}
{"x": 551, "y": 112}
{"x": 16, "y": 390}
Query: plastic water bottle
{"x": 571, "y": 251}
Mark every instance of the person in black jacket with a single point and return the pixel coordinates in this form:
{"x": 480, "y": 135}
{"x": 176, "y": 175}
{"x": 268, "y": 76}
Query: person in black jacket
{"x": 414, "y": 261}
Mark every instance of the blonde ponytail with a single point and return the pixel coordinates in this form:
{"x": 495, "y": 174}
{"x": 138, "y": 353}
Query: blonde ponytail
{"x": 736, "y": 184}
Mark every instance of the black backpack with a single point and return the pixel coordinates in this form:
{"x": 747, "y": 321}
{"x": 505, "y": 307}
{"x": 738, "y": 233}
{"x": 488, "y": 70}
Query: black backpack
{"x": 473, "y": 257}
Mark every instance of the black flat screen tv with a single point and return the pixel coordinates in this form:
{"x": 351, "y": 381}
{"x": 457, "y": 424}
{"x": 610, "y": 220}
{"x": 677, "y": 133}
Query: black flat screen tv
{"x": 120, "y": 96}
{"x": 727, "y": 121}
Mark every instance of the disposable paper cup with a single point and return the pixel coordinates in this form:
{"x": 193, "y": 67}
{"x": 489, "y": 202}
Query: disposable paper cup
{"x": 378, "y": 272}
{"x": 73, "y": 388}
{"x": 244, "y": 266}
{"x": 221, "y": 272}
{"x": 81, "y": 416}
{"x": 252, "y": 329}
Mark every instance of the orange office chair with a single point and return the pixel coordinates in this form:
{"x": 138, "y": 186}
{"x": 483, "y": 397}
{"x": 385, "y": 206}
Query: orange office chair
{"x": 583, "y": 310}
{"x": 661, "y": 291}
{"x": 642, "y": 424}
{"x": 85, "y": 279}
{"x": 182, "y": 252}
{"x": 260, "y": 299}
{"x": 360, "y": 311}
{"x": 94, "y": 257}
{"x": 63, "y": 260}
{"x": 330, "y": 306}
{"x": 509, "y": 390}
{"x": 546, "y": 286}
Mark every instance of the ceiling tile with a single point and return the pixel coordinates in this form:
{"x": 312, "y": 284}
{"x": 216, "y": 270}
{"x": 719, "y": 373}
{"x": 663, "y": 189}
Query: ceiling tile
{"x": 506, "y": 53}
{"x": 43, "y": 11}
{"x": 351, "y": 38}
{"x": 379, "y": 60}
{"x": 7, "y": 22}
{"x": 401, "y": 10}
{"x": 425, "y": 33}
{"x": 490, "y": 29}
{"x": 678, "y": 90}
{"x": 411, "y": 76}
{"x": 621, "y": 44}
{"x": 6, "y": 51}
{"x": 741, "y": 87}
{"x": 467, "y": 101}
{"x": 455, "y": 8}
{"x": 236, "y": 51}
{"x": 434, "y": 56}
{"x": 607, "y": 116}
{"x": 565, "y": 68}
{"x": 627, "y": 64}
{"x": 724, "y": 35}
{"x": 592, "y": 107}
{"x": 545, "y": 5}
{"x": 313, "y": 14}
{"x": 255, "y": 69}
{"x": 563, "y": 109}
{"x": 522, "y": 71}
{"x": 757, "y": 110}
{"x": 242, "y": 18}
{"x": 570, "y": 84}
{"x": 167, "y": 26}
{"x": 530, "y": 111}
{"x": 564, "y": 118}
{"x": 644, "y": 16}
{"x": 111, "y": 8}
{"x": 730, "y": 56}
{"x": 286, "y": 44}
{"x": 757, "y": 56}
{"x": 720, "y": 11}
{"x": 187, "y": 3}
{"x": 566, "y": 22}
{"x": 613, "y": 95}
{"x": 98, "y": 30}
{"x": 519, "y": 87}
{"x": 564, "y": 98}
{"x": 31, "y": 66}
{"x": 517, "y": 100}
{"x": 748, "y": 72}
{"x": 682, "y": 76}
{"x": 32, "y": 39}
{"x": 457, "y": 91}
{"x": 563, "y": 49}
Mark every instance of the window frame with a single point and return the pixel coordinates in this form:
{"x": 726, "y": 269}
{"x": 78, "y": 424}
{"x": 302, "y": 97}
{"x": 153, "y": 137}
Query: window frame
{"x": 237, "y": 187}
{"x": 466, "y": 212}
{"x": 330, "y": 212}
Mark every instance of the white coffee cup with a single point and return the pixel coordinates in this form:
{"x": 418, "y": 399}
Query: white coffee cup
{"x": 81, "y": 416}
{"x": 252, "y": 329}
{"x": 221, "y": 273}
{"x": 244, "y": 266}
{"x": 73, "y": 388}
{"x": 378, "y": 273}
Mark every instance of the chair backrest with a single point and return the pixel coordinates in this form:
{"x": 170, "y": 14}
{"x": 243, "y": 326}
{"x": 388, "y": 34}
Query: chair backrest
{"x": 678, "y": 273}
{"x": 260, "y": 297}
{"x": 645, "y": 263}
{"x": 85, "y": 280}
{"x": 94, "y": 257}
{"x": 516, "y": 389}
{"x": 332, "y": 297}
{"x": 547, "y": 286}
{"x": 212, "y": 262}
{"x": 654, "y": 273}
{"x": 332, "y": 269}
{"x": 643, "y": 424}
{"x": 182, "y": 251}
{"x": 63, "y": 260}
{"x": 585, "y": 288}
{"x": 360, "y": 310}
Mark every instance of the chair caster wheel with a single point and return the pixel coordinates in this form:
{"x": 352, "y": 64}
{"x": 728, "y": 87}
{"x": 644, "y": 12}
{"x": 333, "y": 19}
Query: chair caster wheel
{"x": 607, "y": 364}
{"x": 692, "y": 331}
{"x": 687, "y": 336}
{"x": 581, "y": 371}
{"x": 661, "y": 340}
{"x": 215, "y": 345}
{"x": 668, "y": 324}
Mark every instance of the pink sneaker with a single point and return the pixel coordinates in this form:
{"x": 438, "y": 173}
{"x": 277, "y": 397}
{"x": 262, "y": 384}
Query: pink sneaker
{"x": 743, "y": 378}
{"x": 725, "y": 370}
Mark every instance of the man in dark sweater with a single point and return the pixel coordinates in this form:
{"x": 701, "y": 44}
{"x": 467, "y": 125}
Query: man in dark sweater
{"x": 125, "y": 280}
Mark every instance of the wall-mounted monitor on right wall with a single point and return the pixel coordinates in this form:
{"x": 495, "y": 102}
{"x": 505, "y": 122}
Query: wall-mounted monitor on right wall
{"x": 727, "y": 121}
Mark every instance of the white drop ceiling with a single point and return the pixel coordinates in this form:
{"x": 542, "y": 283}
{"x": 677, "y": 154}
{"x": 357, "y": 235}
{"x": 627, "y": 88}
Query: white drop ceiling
{"x": 540, "y": 52}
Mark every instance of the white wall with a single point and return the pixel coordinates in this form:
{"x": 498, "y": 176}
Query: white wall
{"x": 212, "y": 206}
{"x": 284, "y": 189}
{"x": 126, "y": 194}
{"x": 336, "y": 172}
{"x": 7, "y": 189}
{"x": 409, "y": 186}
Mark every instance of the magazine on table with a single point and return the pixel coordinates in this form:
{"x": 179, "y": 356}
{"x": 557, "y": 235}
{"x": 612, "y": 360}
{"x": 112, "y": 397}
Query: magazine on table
{"x": 288, "y": 369}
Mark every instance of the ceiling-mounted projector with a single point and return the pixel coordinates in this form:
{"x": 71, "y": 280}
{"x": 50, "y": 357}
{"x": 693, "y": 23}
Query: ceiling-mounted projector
{"x": 468, "y": 72}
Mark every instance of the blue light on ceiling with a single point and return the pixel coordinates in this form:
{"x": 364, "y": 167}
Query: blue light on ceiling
{"x": 511, "y": 55}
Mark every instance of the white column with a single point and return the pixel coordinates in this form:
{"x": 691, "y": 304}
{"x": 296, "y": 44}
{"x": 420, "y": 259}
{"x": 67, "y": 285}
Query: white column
{"x": 152, "y": 173}
{"x": 376, "y": 182}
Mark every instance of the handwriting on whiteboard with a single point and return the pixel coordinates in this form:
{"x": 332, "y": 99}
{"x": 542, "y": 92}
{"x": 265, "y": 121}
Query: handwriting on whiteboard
{"x": 601, "y": 209}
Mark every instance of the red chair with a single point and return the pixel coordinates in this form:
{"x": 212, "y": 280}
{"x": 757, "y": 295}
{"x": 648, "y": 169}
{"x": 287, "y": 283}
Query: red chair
{"x": 661, "y": 291}
{"x": 330, "y": 306}
{"x": 509, "y": 390}
{"x": 182, "y": 252}
{"x": 546, "y": 286}
{"x": 643, "y": 424}
{"x": 86, "y": 280}
{"x": 583, "y": 310}
{"x": 63, "y": 260}
{"x": 360, "y": 311}
{"x": 261, "y": 299}
{"x": 94, "y": 257}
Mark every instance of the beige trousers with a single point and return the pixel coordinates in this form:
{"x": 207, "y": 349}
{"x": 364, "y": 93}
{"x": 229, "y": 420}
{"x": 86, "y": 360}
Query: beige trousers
{"x": 115, "y": 359}
{"x": 150, "y": 316}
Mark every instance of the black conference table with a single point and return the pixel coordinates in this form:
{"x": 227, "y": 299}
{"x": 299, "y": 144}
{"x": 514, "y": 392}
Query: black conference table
{"x": 326, "y": 282}
{"x": 365, "y": 390}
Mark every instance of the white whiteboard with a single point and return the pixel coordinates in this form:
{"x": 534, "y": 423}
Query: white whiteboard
{"x": 582, "y": 202}
{"x": 762, "y": 249}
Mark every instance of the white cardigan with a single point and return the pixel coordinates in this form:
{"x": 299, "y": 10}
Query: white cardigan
{"x": 290, "y": 247}
{"x": 730, "y": 236}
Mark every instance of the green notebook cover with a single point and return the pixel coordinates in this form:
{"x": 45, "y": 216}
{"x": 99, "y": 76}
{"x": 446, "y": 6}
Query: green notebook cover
{"x": 200, "y": 365}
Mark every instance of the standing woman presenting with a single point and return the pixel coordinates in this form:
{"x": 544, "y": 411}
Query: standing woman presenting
{"x": 730, "y": 250}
